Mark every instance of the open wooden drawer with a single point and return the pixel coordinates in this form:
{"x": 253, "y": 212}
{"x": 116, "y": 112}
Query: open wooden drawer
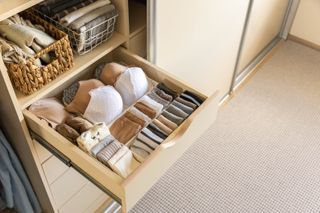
{"x": 128, "y": 191}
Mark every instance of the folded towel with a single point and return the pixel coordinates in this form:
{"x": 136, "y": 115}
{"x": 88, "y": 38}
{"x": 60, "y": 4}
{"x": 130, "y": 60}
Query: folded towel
{"x": 124, "y": 129}
{"x": 101, "y": 145}
{"x": 79, "y": 124}
{"x": 71, "y": 17}
{"x": 66, "y": 11}
{"x": 140, "y": 114}
{"x": 135, "y": 118}
{"x": 107, "y": 152}
{"x": 167, "y": 122}
{"x": 176, "y": 111}
{"x": 123, "y": 162}
{"x": 151, "y": 113}
{"x": 157, "y": 107}
{"x": 132, "y": 84}
{"x": 68, "y": 132}
{"x": 187, "y": 103}
{"x": 104, "y": 106}
{"x": 163, "y": 127}
{"x": 183, "y": 107}
{"x": 51, "y": 110}
{"x": 174, "y": 118}
{"x": 87, "y": 140}
{"x": 81, "y": 98}
{"x": 108, "y": 73}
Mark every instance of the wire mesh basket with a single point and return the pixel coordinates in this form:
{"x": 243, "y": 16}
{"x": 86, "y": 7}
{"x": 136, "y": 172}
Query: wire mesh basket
{"x": 87, "y": 40}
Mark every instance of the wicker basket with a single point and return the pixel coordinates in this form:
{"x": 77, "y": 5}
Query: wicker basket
{"x": 28, "y": 77}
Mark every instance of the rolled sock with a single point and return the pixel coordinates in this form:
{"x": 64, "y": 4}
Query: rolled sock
{"x": 124, "y": 129}
{"x": 135, "y": 118}
{"x": 183, "y": 107}
{"x": 156, "y": 130}
{"x": 68, "y": 132}
{"x": 139, "y": 154}
{"x": 167, "y": 90}
{"x": 79, "y": 124}
{"x": 132, "y": 84}
{"x": 162, "y": 94}
{"x": 167, "y": 122}
{"x": 147, "y": 132}
{"x": 104, "y": 106}
{"x": 151, "y": 113}
{"x": 146, "y": 140}
{"x": 200, "y": 100}
{"x": 163, "y": 127}
{"x": 176, "y": 111}
{"x": 187, "y": 103}
{"x": 152, "y": 104}
{"x": 107, "y": 152}
{"x": 139, "y": 114}
{"x": 101, "y": 145}
{"x": 174, "y": 118}
{"x": 158, "y": 99}
{"x": 123, "y": 162}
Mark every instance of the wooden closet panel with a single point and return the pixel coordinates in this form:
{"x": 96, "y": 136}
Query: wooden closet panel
{"x": 198, "y": 41}
{"x": 264, "y": 25}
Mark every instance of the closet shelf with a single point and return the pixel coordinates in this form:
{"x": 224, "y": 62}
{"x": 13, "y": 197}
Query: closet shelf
{"x": 81, "y": 63}
{"x": 11, "y": 7}
{"x": 137, "y": 17}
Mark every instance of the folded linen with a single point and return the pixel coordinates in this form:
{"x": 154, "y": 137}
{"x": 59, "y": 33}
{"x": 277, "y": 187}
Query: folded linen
{"x": 51, "y": 110}
{"x": 189, "y": 96}
{"x": 107, "y": 152}
{"x": 163, "y": 94}
{"x": 71, "y": 17}
{"x": 151, "y": 113}
{"x": 66, "y": 11}
{"x": 123, "y": 162}
{"x": 167, "y": 122}
{"x": 80, "y": 98}
{"x": 132, "y": 84}
{"x": 104, "y": 106}
{"x": 174, "y": 118}
{"x": 152, "y": 144}
{"x": 12, "y": 53}
{"x": 139, "y": 153}
{"x": 124, "y": 129}
{"x": 148, "y": 133}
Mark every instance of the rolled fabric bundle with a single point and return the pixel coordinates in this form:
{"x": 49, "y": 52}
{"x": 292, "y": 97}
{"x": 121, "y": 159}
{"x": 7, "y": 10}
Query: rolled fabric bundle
{"x": 123, "y": 162}
{"x": 101, "y": 145}
{"x": 104, "y": 106}
{"x": 51, "y": 110}
{"x": 107, "y": 152}
{"x": 157, "y": 107}
{"x": 132, "y": 84}
{"x": 79, "y": 124}
{"x": 108, "y": 73}
{"x": 87, "y": 140}
{"x": 71, "y": 17}
{"x": 187, "y": 103}
{"x": 163, "y": 127}
{"x": 167, "y": 122}
{"x": 124, "y": 129}
{"x": 139, "y": 114}
{"x": 183, "y": 107}
{"x": 151, "y": 113}
{"x": 68, "y": 132}
{"x": 172, "y": 117}
{"x": 80, "y": 98}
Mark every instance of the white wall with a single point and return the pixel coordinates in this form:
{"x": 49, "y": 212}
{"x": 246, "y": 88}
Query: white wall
{"x": 198, "y": 41}
{"x": 264, "y": 25}
{"x": 306, "y": 23}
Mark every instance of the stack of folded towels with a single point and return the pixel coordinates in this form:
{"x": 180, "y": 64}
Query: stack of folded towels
{"x": 20, "y": 40}
{"x": 88, "y": 18}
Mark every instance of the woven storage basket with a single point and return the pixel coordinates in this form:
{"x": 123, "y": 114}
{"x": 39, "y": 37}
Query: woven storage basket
{"x": 28, "y": 77}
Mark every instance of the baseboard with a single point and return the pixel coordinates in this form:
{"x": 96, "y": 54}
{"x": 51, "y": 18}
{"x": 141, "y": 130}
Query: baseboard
{"x": 304, "y": 42}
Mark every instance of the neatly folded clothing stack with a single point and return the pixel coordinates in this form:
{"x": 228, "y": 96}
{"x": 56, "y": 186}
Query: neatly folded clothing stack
{"x": 21, "y": 40}
{"x": 88, "y": 18}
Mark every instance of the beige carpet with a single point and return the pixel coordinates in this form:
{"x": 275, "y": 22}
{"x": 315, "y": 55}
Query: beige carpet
{"x": 262, "y": 154}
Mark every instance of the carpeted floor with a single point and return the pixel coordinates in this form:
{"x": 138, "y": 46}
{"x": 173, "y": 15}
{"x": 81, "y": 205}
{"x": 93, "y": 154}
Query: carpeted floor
{"x": 263, "y": 152}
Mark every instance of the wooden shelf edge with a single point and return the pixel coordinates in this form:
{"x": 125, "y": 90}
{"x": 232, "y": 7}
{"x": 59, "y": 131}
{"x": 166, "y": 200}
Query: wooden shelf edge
{"x": 81, "y": 63}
